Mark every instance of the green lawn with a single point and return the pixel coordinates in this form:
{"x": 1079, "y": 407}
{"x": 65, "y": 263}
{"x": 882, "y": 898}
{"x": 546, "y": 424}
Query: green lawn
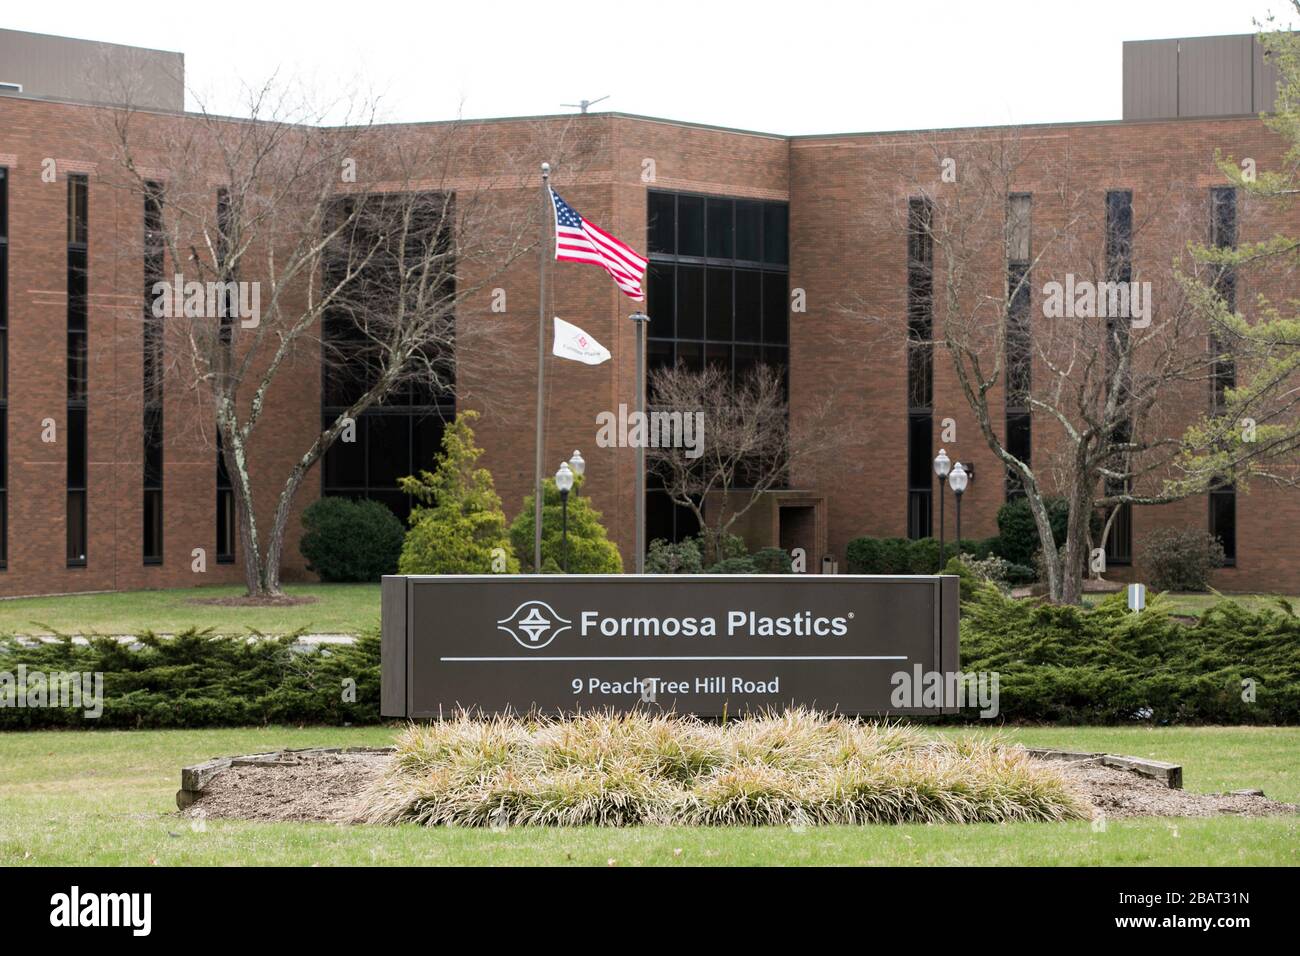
{"x": 92, "y": 797}
{"x": 339, "y": 609}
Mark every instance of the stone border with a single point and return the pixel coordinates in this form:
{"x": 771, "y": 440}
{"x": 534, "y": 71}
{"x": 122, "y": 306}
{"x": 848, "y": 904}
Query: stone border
{"x": 1170, "y": 774}
{"x": 195, "y": 778}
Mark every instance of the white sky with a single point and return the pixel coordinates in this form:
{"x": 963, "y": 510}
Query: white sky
{"x": 796, "y": 66}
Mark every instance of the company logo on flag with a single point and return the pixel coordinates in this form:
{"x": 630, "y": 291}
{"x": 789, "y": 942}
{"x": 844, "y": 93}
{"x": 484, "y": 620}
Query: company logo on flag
{"x": 573, "y": 343}
{"x": 577, "y": 240}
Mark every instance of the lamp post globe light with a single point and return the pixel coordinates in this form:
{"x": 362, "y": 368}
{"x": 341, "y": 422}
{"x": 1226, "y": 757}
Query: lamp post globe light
{"x": 564, "y": 482}
{"x": 579, "y": 466}
{"x": 958, "y": 478}
{"x": 942, "y": 466}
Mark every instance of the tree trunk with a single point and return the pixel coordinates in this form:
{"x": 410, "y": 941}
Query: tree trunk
{"x": 1075, "y": 541}
{"x": 1046, "y": 543}
{"x": 260, "y": 578}
{"x": 279, "y": 525}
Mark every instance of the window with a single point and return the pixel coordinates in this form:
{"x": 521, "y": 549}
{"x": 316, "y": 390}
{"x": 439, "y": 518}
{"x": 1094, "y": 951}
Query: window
{"x": 4, "y": 368}
{"x": 1019, "y": 344}
{"x": 1223, "y": 520}
{"x": 152, "y": 384}
{"x": 403, "y": 434}
{"x": 78, "y": 378}
{"x": 226, "y": 531}
{"x": 717, "y": 291}
{"x": 920, "y": 438}
{"x": 920, "y": 367}
{"x": 226, "y": 534}
{"x": 1223, "y": 235}
{"x": 1119, "y": 268}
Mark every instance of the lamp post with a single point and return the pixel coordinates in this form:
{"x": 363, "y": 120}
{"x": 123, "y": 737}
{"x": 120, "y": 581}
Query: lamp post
{"x": 942, "y": 466}
{"x": 564, "y": 482}
{"x": 958, "y": 478}
{"x": 579, "y": 466}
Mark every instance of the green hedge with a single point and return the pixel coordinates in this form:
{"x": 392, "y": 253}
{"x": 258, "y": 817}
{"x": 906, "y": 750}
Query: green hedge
{"x": 346, "y": 540}
{"x": 1107, "y": 665}
{"x": 202, "y": 680}
{"x": 907, "y": 555}
{"x": 1056, "y": 664}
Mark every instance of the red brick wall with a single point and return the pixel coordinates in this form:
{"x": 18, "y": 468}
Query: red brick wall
{"x": 847, "y": 249}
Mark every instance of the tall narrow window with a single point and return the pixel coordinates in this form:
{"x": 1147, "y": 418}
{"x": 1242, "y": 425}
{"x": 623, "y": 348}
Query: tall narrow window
{"x": 1019, "y": 353}
{"x": 1119, "y": 268}
{"x": 75, "y": 432}
{"x": 1223, "y": 235}
{"x": 4, "y": 368}
{"x": 225, "y": 510}
{"x": 920, "y": 367}
{"x": 152, "y": 532}
{"x": 402, "y": 434}
{"x": 717, "y": 295}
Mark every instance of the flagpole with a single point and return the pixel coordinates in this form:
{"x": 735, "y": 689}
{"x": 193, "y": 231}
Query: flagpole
{"x": 640, "y": 319}
{"x": 548, "y": 210}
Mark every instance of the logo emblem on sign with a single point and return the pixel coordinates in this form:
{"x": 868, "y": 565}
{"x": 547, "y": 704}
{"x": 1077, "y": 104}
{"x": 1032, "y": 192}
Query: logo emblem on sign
{"x": 534, "y": 624}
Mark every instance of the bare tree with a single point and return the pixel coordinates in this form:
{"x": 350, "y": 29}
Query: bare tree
{"x": 361, "y": 243}
{"x": 746, "y": 447}
{"x": 1110, "y": 360}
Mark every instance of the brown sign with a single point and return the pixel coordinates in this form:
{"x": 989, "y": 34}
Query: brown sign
{"x": 699, "y": 644}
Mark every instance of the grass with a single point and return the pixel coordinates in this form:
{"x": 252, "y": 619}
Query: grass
{"x": 339, "y": 609}
{"x": 793, "y": 768}
{"x": 107, "y": 798}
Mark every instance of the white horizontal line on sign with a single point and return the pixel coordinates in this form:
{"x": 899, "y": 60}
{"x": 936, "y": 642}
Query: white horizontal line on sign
{"x": 612, "y": 660}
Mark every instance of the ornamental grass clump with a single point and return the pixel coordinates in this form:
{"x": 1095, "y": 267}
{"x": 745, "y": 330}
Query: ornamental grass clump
{"x": 794, "y": 767}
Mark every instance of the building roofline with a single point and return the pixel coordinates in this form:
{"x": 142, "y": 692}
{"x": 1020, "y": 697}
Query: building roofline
{"x": 123, "y": 46}
{"x": 687, "y": 124}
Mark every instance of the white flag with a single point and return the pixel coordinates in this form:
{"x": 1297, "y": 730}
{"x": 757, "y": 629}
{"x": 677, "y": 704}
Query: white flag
{"x": 574, "y": 344}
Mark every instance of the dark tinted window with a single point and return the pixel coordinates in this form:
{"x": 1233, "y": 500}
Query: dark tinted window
{"x": 749, "y": 305}
{"x": 388, "y": 449}
{"x": 660, "y": 299}
{"x": 690, "y": 226}
{"x": 718, "y": 304}
{"x": 1119, "y": 234}
{"x": 749, "y": 230}
{"x": 722, "y": 239}
{"x": 731, "y": 313}
{"x": 76, "y": 448}
{"x": 775, "y": 307}
{"x": 776, "y": 233}
{"x": 345, "y": 461}
{"x": 919, "y": 469}
{"x": 690, "y": 302}
{"x": 78, "y": 206}
{"x": 1223, "y": 522}
{"x": 661, "y": 224}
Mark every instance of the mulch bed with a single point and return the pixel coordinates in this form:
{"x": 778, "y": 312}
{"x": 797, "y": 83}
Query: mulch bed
{"x": 326, "y": 788}
{"x": 283, "y": 600}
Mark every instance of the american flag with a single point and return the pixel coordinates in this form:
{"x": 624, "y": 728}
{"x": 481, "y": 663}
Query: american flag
{"x": 577, "y": 240}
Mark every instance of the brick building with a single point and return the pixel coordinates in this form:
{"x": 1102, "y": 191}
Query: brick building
{"x": 108, "y": 481}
